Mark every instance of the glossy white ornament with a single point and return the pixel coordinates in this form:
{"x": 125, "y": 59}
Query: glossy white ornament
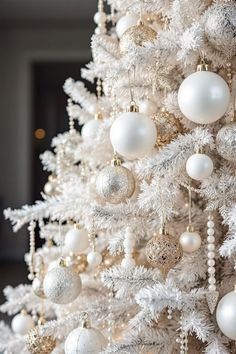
{"x": 90, "y": 129}
{"x": 22, "y": 323}
{"x": 190, "y": 241}
{"x": 94, "y": 259}
{"x": 99, "y": 17}
{"x": 226, "y": 315}
{"x": 124, "y": 23}
{"x": 62, "y": 285}
{"x": 93, "y": 109}
{"x": 147, "y": 107}
{"x": 203, "y": 97}
{"x": 199, "y": 166}
{"x": 85, "y": 341}
{"x": 76, "y": 240}
{"x": 133, "y": 135}
{"x": 48, "y": 188}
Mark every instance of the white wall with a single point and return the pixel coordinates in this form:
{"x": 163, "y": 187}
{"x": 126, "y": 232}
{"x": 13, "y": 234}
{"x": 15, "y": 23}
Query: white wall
{"x": 18, "y": 49}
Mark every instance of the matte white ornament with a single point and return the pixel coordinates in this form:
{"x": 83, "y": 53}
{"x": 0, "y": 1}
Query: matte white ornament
{"x": 94, "y": 259}
{"x": 124, "y": 23}
{"x": 76, "y": 240}
{"x": 190, "y": 241}
{"x": 90, "y": 129}
{"x": 93, "y": 108}
{"x": 147, "y": 107}
{"x": 133, "y": 135}
{"x": 226, "y": 315}
{"x": 22, "y": 323}
{"x": 203, "y": 97}
{"x": 48, "y": 188}
{"x": 199, "y": 166}
{"x": 62, "y": 285}
{"x": 85, "y": 341}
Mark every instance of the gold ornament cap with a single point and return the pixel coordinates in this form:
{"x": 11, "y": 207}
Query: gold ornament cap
{"x": 202, "y": 66}
{"x": 116, "y": 161}
{"x": 132, "y": 107}
{"x": 190, "y": 228}
{"x": 98, "y": 116}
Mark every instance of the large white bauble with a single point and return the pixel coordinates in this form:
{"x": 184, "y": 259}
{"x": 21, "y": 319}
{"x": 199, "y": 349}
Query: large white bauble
{"x": 22, "y": 323}
{"x": 94, "y": 259}
{"x": 124, "y": 23}
{"x": 147, "y": 107}
{"x": 62, "y": 285}
{"x": 76, "y": 240}
{"x": 226, "y": 315}
{"x": 190, "y": 241}
{"x": 85, "y": 341}
{"x": 199, "y": 166}
{"x": 90, "y": 129}
{"x": 203, "y": 97}
{"x": 133, "y": 135}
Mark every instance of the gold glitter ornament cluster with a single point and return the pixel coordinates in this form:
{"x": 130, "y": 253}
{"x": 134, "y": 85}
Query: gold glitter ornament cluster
{"x": 164, "y": 252}
{"x": 138, "y": 35}
{"x": 37, "y": 344}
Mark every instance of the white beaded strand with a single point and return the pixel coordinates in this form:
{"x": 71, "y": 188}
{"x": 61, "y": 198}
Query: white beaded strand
{"x": 129, "y": 244}
{"x": 183, "y": 338}
{"x": 110, "y": 320}
{"x": 31, "y": 229}
{"x": 100, "y": 19}
{"x": 211, "y": 253}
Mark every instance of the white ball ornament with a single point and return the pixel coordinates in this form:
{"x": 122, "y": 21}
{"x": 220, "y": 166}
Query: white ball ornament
{"x": 190, "y": 241}
{"x": 226, "y": 315}
{"x": 62, "y": 285}
{"x": 99, "y": 17}
{"x": 94, "y": 259}
{"x": 90, "y": 129}
{"x": 85, "y": 341}
{"x": 203, "y": 97}
{"x": 147, "y": 107}
{"x": 76, "y": 240}
{"x": 199, "y": 166}
{"x": 22, "y": 323}
{"x": 124, "y": 23}
{"x": 133, "y": 135}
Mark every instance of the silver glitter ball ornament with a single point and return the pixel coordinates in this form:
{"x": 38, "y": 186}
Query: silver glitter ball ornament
{"x": 220, "y": 27}
{"x": 62, "y": 285}
{"x": 115, "y": 184}
{"x": 226, "y": 142}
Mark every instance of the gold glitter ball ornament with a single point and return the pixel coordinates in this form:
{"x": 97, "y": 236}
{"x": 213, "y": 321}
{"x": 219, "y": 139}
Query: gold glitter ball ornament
{"x": 37, "y": 344}
{"x": 115, "y": 183}
{"x": 164, "y": 252}
{"x": 138, "y": 35}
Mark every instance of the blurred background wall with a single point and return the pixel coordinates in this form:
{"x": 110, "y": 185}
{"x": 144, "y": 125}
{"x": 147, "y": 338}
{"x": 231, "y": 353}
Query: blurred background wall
{"x": 42, "y": 42}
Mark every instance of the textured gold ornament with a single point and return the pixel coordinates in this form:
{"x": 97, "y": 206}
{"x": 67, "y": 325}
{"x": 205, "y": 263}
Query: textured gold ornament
{"x": 164, "y": 252}
{"x": 168, "y": 127}
{"x": 138, "y": 35}
{"x": 115, "y": 183}
{"x": 37, "y": 344}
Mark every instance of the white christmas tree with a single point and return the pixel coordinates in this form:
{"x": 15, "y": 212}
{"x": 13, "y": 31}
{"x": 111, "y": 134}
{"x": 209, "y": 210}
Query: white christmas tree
{"x": 139, "y": 213}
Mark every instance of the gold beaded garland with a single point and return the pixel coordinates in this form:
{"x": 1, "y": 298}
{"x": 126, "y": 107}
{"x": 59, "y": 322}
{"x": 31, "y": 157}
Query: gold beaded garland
{"x": 138, "y": 35}
{"x": 164, "y": 252}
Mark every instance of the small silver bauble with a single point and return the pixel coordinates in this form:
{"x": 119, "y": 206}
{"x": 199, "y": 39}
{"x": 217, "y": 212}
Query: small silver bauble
{"x": 62, "y": 285}
{"x": 115, "y": 183}
{"x": 220, "y": 27}
{"x": 226, "y": 142}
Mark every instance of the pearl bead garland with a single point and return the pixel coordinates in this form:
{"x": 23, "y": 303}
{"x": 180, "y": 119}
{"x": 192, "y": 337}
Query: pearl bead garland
{"x": 129, "y": 243}
{"x": 100, "y": 18}
{"x": 182, "y": 339}
{"x": 31, "y": 229}
{"x": 94, "y": 258}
